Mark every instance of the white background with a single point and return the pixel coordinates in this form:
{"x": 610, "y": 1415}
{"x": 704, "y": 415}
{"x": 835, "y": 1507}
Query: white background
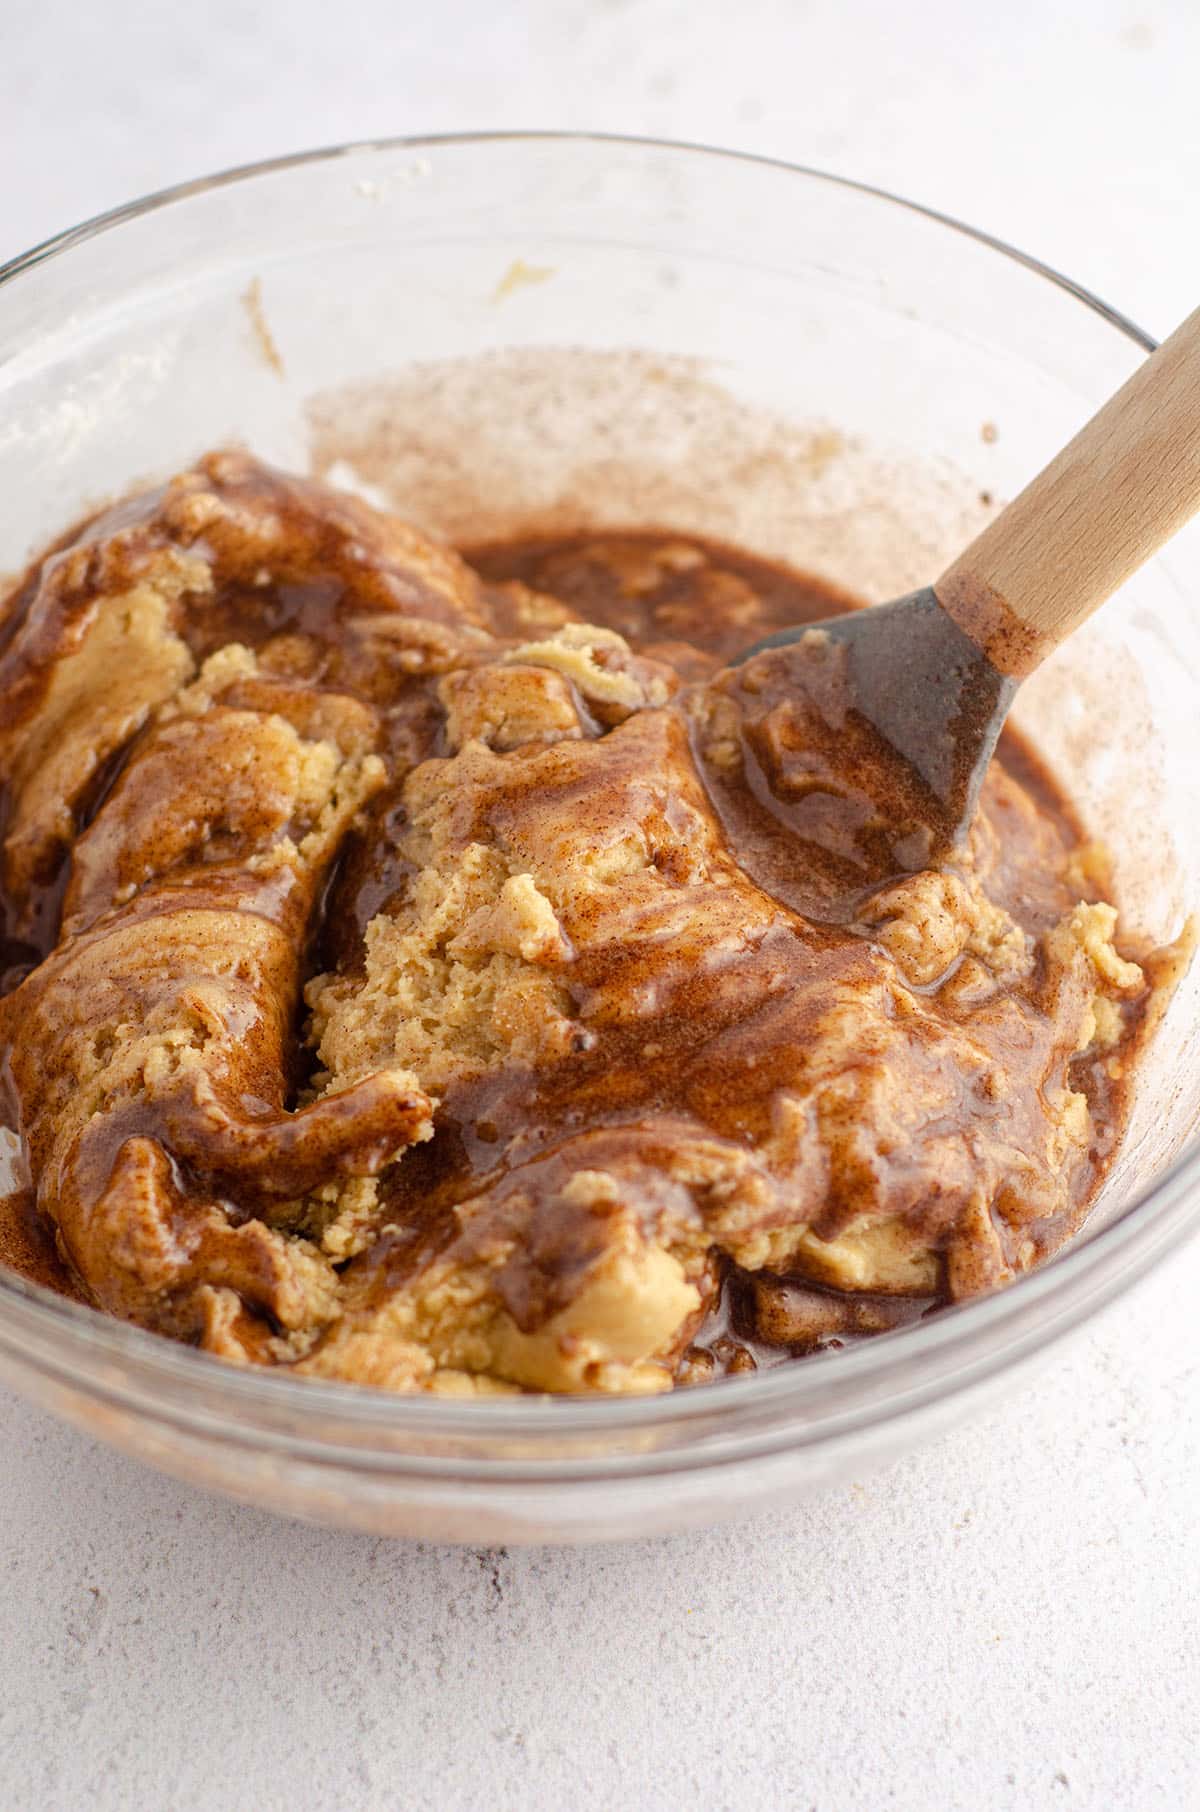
{"x": 1008, "y": 1619}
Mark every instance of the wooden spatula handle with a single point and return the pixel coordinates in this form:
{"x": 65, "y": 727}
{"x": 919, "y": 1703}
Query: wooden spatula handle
{"x": 1122, "y": 487}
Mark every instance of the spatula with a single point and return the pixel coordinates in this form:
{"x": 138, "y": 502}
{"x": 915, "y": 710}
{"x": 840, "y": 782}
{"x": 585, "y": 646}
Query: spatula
{"x": 935, "y": 673}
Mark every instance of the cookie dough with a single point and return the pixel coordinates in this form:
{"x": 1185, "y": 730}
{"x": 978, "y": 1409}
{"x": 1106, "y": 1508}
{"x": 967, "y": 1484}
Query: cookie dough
{"x": 419, "y": 969}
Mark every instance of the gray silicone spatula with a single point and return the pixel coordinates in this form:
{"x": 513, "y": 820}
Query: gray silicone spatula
{"x": 936, "y": 672}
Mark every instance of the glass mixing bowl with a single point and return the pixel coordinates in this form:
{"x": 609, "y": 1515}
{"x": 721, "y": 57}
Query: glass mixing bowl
{"x": 499, "y": 332}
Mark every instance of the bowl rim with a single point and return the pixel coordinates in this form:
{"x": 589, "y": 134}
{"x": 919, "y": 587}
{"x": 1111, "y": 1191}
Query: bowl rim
{"x": 155, "y": 199}
{"x": 34, "y": 1309}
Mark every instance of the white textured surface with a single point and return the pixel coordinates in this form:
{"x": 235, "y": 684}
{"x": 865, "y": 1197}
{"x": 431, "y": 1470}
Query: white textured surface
{"x": 1008, "y": 1619}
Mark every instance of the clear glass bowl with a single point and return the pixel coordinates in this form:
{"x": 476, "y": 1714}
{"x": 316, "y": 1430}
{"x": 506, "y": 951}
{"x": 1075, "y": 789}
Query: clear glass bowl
{"x": 495, "y": 332}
